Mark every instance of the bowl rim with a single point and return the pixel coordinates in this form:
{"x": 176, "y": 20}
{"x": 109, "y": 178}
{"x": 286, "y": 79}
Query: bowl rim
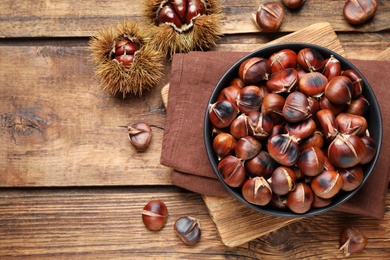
{"x": 268, "y": 50}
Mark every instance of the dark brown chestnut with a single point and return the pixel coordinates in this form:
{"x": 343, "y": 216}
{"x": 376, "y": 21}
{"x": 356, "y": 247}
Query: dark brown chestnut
{"x": 195, "y": 8}
{"x": 328, "y": 165}
{"x": 166, "y": 14}
{"x": 254, "y": 70}
{"x": 332, "y": 68}
{"x": 320, "y": 202}
{"x": 239, "y": 127}
{"x": 269, "y": 16}
{"x": 272, "y": 106}
{"x": 301, "y": 130}
{"x": 328, "y": 124}
{"x": 311, "y": 161}
{"x": 224, "y": 144}
{"x": 358, "y": 106}
{"x": 232, "y": 171}
{"x": 300, "y": 199}
{"x": 282, "y": 59}
{"x": 316, "y": 139}
{"x": 282, "y": 180}
{"x": 230, "y": 94}
{"x": 296, "y": 108}
{"x": 283, "y": 81}
{"x": 278, "y": 130}
{"x": 310, "y": 59}
{"x": 357, "y": 82}
{"x": 352, "y": 177}
{"x": 339, "y": 90}
{"x": 222, "y": 113}
{"x": 283, "y": 149}
{"x": 370, "y": 149}
{"x": 262, "y": 165}
{"x": 314, "y": 106}
{"x": 352, "y": 241}
{"x": 188, "y": 230}
{"x": 327, "y": 184}
{"x": 346, "y": 151}
{"x": 237, "y": 82}
{"x": 247, "y": 147}
{"x": 351, "y": 124}
{"x": 312, "y": 84}
{"x": 336, "y": 109}
{"x": 155, "y": 215}
{"x": 140, "y": 135}
{"x": 293, "y": 3}
{"x": 257, "y": 191}
{"x": 260, "y": 125}
{"x": 126, "y": 60}
{"x": 249, "y": 99}
{"x": 359, "y": 11}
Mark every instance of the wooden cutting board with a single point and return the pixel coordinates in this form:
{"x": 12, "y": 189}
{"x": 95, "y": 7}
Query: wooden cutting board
{"x": 236, "y": 223}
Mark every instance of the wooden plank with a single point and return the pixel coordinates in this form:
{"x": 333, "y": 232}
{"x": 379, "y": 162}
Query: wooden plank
{"x": 72, "y": 18}
{"x": 57, "y": 127}
{"x": 106, "y": 223}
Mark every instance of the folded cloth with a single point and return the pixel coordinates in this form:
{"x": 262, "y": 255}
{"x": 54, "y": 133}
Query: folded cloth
{"x": 193, "y": 78}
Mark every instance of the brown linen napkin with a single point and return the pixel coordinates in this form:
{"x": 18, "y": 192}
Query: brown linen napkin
{"x": 193, "y": 77}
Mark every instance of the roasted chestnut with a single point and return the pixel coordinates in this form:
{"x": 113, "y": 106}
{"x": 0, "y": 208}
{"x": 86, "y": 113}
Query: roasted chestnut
{"x": 260, "y": 125}
{"x": 283, "y": 149}
{"x": 328, "y": 124}
{"x": 188, "y": 230}
{"x": 327, "y": 184}
{"x": 296, "y": 107}
{"x": 247, "y": 147}
{"x": 311, "y": 161}
{"x": 282, "y": 180}
{"x": 239, "y": 127}
{"x": 269, "y": 16}
{"x": 222, "y": 113}
{"x": 232, "y": 171}
{"x": 310, "y": 59}
{"x": 300, "y": 199}
{"x": 346, "y": 151}
{"x": 359, "y": 11}
{"x": 283, "y": 81}
{"x": 336, "y": 109}
{"x": 320, "y": 202}
{"x": 282, "y": 59}
{"x": 293, "y": 3}
{"x": 358, "y": 106}
{"x": 249, "y": 99}
{"x": 254, "y": 70}
{"x": 352, "y": 241}
{"x": 351, "y": 124}
{"x": 312, "y": 84}
{"x": 230, "y": 94}
{"x": 224, "y": 144}
{"x": 316, "y": 139}
{"x": 261, "y": 165}
{"x": 357, "y": 82}
{"x": 370, "y": 149}
{"x": 301, "y": 130}
{"x": 352, "y": 177}
{"x": 257, "y": 191}
{"x": 272, "y": 106}
{"x": 332, "y": 68}
{"x": 339, "y": 90}
{"x": 155, "y": 215}
{"x": 140, "y": 135}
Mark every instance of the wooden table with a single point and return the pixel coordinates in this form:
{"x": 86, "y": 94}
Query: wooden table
{"x": 73, "y": 187}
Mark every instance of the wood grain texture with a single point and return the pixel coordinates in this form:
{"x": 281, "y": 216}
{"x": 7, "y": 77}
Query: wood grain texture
{"x": 106, "y": 223}
{"x": 72, "y": 18}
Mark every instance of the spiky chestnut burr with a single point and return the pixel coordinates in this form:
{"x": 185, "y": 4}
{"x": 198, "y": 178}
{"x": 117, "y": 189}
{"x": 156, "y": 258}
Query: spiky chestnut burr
{"x": 125, "y": 60}
{"x": 184, "y": 26}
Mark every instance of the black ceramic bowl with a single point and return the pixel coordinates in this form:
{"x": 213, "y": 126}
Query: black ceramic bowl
{"x": 373, "y": 118}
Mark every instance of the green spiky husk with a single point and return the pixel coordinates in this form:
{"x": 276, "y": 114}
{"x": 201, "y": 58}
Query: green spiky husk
{"x": 146, "y": 70}
{"x": 204, "y": 35}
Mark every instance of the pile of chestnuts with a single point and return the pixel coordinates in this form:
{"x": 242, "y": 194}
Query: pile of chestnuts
{"x": 290, "y": 130}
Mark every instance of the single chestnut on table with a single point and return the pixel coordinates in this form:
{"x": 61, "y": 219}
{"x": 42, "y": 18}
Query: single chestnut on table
{"x": 269, "y": 16}
{"x": 352, "y": 240}
{"x": 140, "y": 135}
{"x": 188, "y": 230}
{"x": 155, "y": 215}
{"x": 359, "y": 11}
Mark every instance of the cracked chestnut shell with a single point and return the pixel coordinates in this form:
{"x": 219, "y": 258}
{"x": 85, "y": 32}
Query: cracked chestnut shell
{"x": 359, "y": 11}
{"x": 269, "y": 16}
{"x": 155, "y": 215}
{"x": 140, "y": 135}
{"x": 188, "y": 230}
{"x": 352, "y": 240}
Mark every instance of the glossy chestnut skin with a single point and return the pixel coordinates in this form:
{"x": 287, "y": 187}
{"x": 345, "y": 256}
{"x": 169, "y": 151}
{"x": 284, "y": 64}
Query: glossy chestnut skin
{"x": 257, "y": 191}
{"x": 269, "y": 16}
{"x": 339, "y": 90}
{"x": 283, "y": 81}
{"x": 282, "y": 180}
{"x": 316, "y": 139}
{"x": 300, "y": 200}
{"x": 282, "y": 59}
{"x": 357, "y": 82}
{"x": 312, "y": 84}
{"x": 293, "y": 3}
{"x": 359, "y": 11}
{"x": 359, "y": 106}
{"x": 188, "y": 230}
{"x": 346, "y": 151}
{"x": 260, "y": 125}
{"x": 239, "y": 127}
{"x": 301, "y": 130}
{"x": 332, "y": 68}
{"x": 310, "y": 60}
{"x": 296, "y": 108}
{"x": 254, "y": 70}
{"x": 370, "y": 149}
{"x": 262, "y": 165}
{"x": 230, "y": 94}
{"x": 328, "y": 124}
{"x": 352, "y": 241}
{"x": 320, "y": 202}
{"x": 224, "y": 144}
{"x": 351, "y": 124}
{"x": 311, "y": 161}
{"x": 125, "y": 46}
{"x": 327, "y": 184}
{"x": 232, "y": 171}
{"x": 283, "y": 149}
{"x": 352, "y": 177}
{"x": 247, "y": 147}
{"x": 272, "y": 106}
{"x": 326, "y": 104}
{"x": 249, "y": 99}
{"x": 222, "y": 113}
{"x": 155, "y": 215}
{"x": 140, "y": 135}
